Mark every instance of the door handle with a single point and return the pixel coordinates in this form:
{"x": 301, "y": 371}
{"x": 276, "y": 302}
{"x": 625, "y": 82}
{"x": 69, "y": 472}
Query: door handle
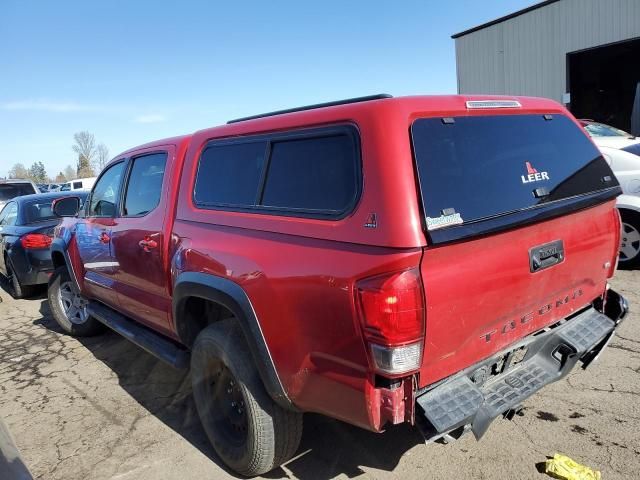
{"x": 544, "y": 256}
{"x": 104, "y": 237}
{"x": 147, "y": 244}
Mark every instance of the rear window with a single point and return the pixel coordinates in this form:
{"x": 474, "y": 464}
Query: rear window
{"x": 312, "y": 173}
{"x": 38, "y": 211}
{"x": 12, "y": 190}
{"x": 475, "y": 168}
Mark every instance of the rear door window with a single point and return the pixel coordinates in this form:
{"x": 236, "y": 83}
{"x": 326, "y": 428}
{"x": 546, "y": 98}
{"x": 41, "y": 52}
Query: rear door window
{"x": 475, "y": 168}
{"x": 145, "y": 184}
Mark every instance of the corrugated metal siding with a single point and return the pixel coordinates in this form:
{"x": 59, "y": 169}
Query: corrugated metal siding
{"x": 526, "y": 55}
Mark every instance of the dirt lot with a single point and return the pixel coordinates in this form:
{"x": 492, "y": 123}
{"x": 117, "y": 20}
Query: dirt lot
{"x": 101, "y": 408}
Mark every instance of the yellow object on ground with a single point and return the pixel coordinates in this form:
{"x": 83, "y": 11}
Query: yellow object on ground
{"x": 562, "y": 467}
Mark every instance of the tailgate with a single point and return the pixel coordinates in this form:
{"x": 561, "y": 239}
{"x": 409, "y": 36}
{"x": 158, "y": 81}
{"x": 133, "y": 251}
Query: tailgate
{"x": 521, "y": 225}
{"x": 481, "y": 295}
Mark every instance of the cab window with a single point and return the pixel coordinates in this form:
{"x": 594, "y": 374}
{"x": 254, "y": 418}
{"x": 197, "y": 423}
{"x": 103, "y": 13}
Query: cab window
{"x": 105, "y": 193}
{"x": 145, "y": 185}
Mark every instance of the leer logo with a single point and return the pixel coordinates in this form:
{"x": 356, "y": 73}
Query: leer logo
{"x": 533, "y": 175}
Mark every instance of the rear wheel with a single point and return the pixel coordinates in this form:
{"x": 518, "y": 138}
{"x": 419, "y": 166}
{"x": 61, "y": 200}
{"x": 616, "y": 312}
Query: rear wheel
{"x": 69, "y": 308}
{"x": 248, "y": 430}
{"x": 630, "y": 240}
{"x": 17, "y": 290}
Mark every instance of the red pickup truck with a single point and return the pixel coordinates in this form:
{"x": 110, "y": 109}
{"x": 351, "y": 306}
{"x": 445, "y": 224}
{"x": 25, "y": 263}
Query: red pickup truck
{"x": 428, "y": 260}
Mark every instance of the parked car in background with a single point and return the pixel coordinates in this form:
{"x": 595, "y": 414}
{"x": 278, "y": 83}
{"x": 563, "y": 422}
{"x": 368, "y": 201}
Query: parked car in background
{"x": 14, "y": 188}
{"x": 78, "y": 184}
{"x": 52, "y": 187}
{"x": 609, "y": 136}
{"x": 622, "y": 152}
{"x": 48, "y": 187}
{"x": 26, "y": 230}
{"x": 432, "y": 261}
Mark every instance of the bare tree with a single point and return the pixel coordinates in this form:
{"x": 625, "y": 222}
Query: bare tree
{"x": 85, "y": 147}
{"x": 18, "y": 171}
{"x": 102, "y": 156}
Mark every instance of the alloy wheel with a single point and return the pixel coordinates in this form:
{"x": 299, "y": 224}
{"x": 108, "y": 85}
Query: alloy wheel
{"x": 629, "y": 243}
{"x": 72, "y": 304}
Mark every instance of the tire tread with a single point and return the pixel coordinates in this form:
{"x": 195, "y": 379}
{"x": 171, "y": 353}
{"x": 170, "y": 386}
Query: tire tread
{"x": 276, "y": 432}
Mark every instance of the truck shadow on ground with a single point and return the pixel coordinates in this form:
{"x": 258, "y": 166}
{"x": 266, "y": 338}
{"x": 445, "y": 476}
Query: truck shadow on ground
{"x": 328, "y": 447}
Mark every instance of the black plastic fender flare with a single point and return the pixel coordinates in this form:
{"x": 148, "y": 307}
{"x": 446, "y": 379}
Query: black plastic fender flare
{"x": 231, "y": 296}
{"x": 60, "y": 246}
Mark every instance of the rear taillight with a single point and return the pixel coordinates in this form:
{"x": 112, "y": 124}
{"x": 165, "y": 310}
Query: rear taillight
{"x": 32, "y": 241}
{"x": 391, "y": 310}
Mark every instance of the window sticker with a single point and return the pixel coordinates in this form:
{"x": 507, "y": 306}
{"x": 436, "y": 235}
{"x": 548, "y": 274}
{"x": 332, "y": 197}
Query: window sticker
{"x": 533, "y": 175}
{"x": 444, "y": 221}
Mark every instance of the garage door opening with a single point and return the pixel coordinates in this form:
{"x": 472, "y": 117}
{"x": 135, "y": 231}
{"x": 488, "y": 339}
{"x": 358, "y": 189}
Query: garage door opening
{"x": 603, "y": 82}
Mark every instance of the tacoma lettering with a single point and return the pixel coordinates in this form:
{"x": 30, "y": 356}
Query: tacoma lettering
{"x": 511, "y": 325}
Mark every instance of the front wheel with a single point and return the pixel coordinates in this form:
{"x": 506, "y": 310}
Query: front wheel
{"x": 248, "y": 430}
{"x": 69, "y": 308}
{"x": 630, "y": 240}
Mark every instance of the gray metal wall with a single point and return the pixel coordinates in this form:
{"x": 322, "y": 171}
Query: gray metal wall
{"x": 526, "y": 55}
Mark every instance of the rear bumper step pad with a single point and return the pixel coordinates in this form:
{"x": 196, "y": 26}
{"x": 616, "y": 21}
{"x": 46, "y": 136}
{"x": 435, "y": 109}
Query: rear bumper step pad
{"x": 550, "y": 356}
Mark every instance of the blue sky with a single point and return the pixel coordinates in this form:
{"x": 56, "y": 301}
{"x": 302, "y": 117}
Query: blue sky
{"x": 131, "y": 72}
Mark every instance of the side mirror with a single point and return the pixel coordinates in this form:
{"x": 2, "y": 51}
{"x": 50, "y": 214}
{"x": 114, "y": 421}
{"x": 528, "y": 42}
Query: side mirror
{"x": 66, "y": 206}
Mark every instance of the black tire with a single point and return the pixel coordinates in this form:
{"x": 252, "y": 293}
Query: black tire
{"x": 74, "y": 322}
{"x": 630, "y": 230}
{"x": 17, "y": 290}
{"x": 250, "y": 432}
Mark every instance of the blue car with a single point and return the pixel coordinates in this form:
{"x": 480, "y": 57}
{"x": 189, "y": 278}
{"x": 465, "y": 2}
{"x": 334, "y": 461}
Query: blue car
{"x": 26, "y": 230}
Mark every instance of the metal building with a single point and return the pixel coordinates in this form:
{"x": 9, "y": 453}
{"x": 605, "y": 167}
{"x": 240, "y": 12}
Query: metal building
{"x": 583, "y": 53}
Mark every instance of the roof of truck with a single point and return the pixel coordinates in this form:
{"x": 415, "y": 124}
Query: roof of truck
{"x": 345, "y": 110}
{"x": 158, "y": 143}
{"x": 349, "y": 110}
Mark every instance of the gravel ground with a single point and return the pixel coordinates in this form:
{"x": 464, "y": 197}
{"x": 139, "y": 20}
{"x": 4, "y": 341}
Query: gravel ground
{"x": 101, "y": 408}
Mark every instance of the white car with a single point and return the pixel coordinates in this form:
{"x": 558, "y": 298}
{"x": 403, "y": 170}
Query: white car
{"x": 78, "y": 184}
{"x": 622, "y": 152}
